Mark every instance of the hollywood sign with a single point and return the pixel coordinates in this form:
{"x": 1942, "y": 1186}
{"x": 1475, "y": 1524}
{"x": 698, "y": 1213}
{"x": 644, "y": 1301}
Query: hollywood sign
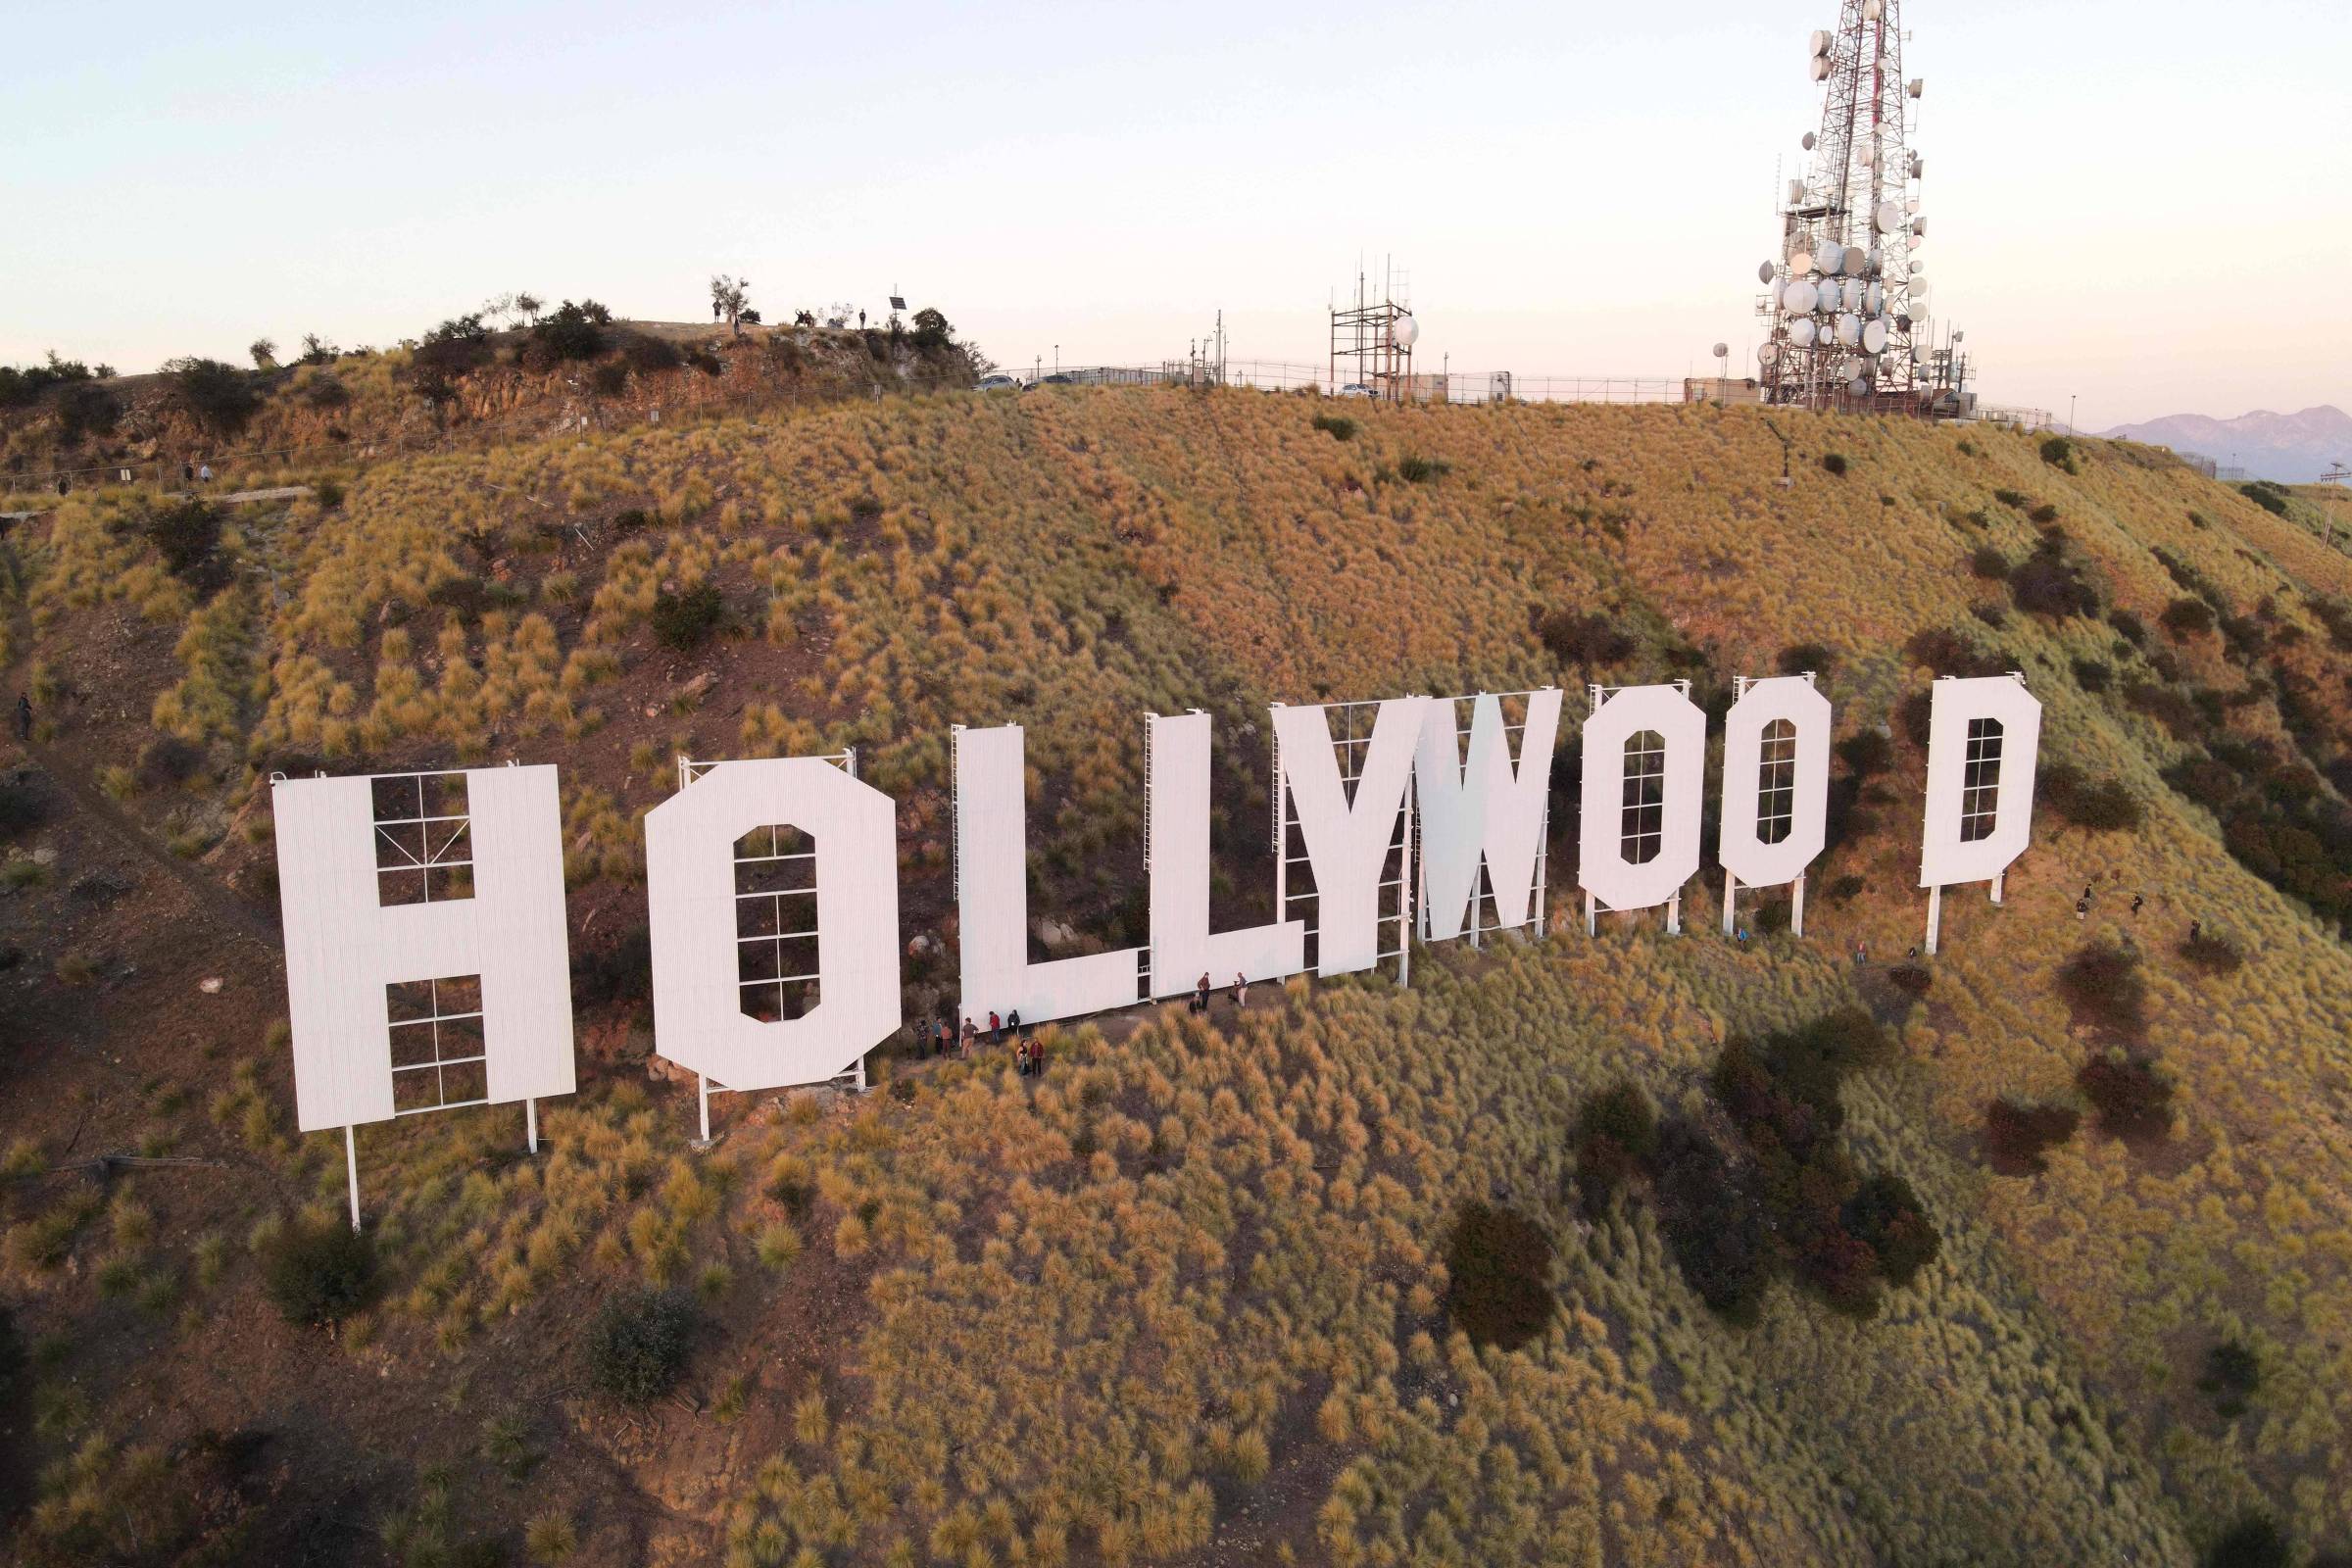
{"x": 426, "y": 955}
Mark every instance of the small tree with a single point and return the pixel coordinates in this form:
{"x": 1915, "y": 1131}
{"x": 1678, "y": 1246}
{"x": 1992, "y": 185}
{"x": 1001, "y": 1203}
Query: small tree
{"x": 264, "y": 354}
{"x": 730, "y": 297}
{"x": 317, "y": 350}
{"x": 931, "y": 329}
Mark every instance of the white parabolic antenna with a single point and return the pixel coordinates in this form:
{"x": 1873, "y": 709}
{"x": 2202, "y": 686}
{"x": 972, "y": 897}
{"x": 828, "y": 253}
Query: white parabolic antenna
{"x": 1801, "y": 260}
{"x": 1857, "y": 261}
{"x": 1810, "y": 141}
{"x": 1723, "y": 350}
{"x": 1873, "y": 299}
{"x": 1796, "y": 191}
{"x": 1765, "y": 272}
{"x": 1820, "y": 42}
{"x": 1800, "y": 332}
{"x": 1821, "y": 68}
{"x": 1858, "y": 386}
{"x": 1872, "y": 9}
{"x": 1769, "y": 354}
{"x": 1889, "y": 217}
{"x": 1874, "y": 337}
{"x": 1404, "y": 332}
{"x": 1831, "y": 256}
{"x": 1849, "y": 330}
{"x": 1800, "y": 297}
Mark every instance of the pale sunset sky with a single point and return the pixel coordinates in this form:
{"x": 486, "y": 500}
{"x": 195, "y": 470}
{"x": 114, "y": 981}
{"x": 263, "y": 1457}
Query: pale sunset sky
{"x": 2142, "y": 204}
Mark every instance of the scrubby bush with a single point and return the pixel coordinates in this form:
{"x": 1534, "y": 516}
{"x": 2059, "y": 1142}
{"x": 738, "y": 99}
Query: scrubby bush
{"x": 187, "y": 536}
{"x": 2100, "y": 804}
{"x": 1413, "y": 469}
{"x": 2187, "y": 617}
{"x": 2269, "y": 497}
{"x": 2058, "y": 452}
{"x": 1834, "y": 463}
{"x": 1616, "y": 1139}
{"x": 2042, "y": 516}
{"x": 318, "y": 1270}
{"x": 638, "y": 1345}
{"x": 572, "y": 332}
{"x": 2092, "y": 676}
{"x": 685, "y": 621}
{"x": 932, "y": 330}
{"x": 167, "y": 760}
{"x": 2232, "y": 1373}
{"x": 2101, "y": 983}
{"x": 2048, "y": 583}
{"x": 2133, "y": 1101}
{"x": 1989, "y": 562}
{"x": 2214, "y": 954}
{"x": 609, "y": 379}
{"x": 1800, "y": 658}
{"x": 85, "y": 410}
{"x": 1583, "y": 639}
{"x": 2018, "y": 1136}
{"x": 219, "y": 397}
{"x": 2255, "y": 1540}
{"x": 1886, "y": 1215}
{"x": 1500, "y": 1277}
{"x": 1911, "y": 979}
{"x": 1338, "y": 426}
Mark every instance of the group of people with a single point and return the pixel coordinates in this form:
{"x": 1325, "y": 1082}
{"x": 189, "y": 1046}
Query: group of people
{"x": 2083, "y": 903}
{"x": 1200, "y": 991}
{"x": 947, "y": 1040}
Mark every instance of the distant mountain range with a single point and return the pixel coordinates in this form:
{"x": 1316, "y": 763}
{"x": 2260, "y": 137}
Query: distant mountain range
{"x": 2290, "y": 448}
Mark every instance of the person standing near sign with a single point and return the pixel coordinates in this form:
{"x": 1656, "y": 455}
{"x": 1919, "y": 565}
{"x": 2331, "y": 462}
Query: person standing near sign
{"x": 23, "y": 718}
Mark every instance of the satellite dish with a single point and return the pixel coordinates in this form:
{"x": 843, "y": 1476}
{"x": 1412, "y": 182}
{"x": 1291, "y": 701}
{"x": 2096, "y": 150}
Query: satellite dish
{"x": 1850, "y": 330}
{"x": 1769, "y": 354}
{"x": 1723, "y": 350}
{"x": 1800, "y": 332}
{"x": 1810, "y": 141}
{"x": 1889, "y": 217}
{"x": 1796, "y": 192}
{"x": 1874, "y": 337}
{"x": 1872, "y": 9}
{"x": 1912, "y": 207}
{"x": 1919, "y": 85}
{"x": 1918, "y": 226}
{"x": 1765, "y": 273}
{"x": 1873, "y": 299}
{"x": 1820, "y": 42}
{"x": 1405, "y": 332}
{"x": 1878, "y": 261}
{"x": 1857, "y": 260}
{"x": 1830, "y": 257}
{"x": 1918, "y": 268}
{"x": 1800, "y": 297}
{"x": 1800, "y": 260}
{"x": 1903, "y": 320}
{"x": 1918, "y": 165}
{"x": 1858, "y": 387}
{"x": 1821, "y": 68}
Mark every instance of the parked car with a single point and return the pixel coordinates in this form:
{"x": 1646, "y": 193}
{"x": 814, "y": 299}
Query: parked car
{"x": 1055, "y": 379}
{"x": 1356, "y": 389}
{"x": 998, "y": 383}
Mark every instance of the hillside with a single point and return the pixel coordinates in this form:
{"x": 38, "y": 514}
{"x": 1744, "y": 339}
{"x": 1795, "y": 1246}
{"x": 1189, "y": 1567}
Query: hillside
{"x": 1200, "y": 1293}
{"x": 2288, "y": 447}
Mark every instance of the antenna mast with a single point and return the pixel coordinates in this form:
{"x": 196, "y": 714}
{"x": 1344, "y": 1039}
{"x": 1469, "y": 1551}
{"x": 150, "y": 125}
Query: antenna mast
{"x": 1847, "y": 297}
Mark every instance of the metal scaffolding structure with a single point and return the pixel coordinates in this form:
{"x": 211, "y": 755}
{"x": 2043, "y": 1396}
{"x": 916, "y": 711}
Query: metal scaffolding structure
{"x": 1372, "y": 340}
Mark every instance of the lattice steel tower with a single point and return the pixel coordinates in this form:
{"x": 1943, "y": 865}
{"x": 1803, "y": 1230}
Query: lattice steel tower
{"x": 1848, "y": 301}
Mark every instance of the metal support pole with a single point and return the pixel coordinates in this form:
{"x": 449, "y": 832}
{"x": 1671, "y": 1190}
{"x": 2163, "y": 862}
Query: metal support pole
{"x": 861, "y": 1077}
{"x": 1405, "y": 895}
{"x": 1796, "y": 906}
{"x": 530, "y": 1124}
{"x": 350, "y": 1164}
{"x": 1934, "y": 918}
{"x": 1731, "y": 898}
{"x": 1996, "y": 885}
{"x": 1674, "y": 915}
{"x": 1592, "y": 916}
{"x": 703, "y": 1090}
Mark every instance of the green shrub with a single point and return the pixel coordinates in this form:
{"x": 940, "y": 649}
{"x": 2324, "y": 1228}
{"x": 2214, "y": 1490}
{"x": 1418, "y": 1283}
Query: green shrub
{"x": 1338, "y": 426}
{"x": 2187, "y": 617}
{"x": 2018, "y": 1136}
{"x": 2101, "y": 983}
{"x": 1887, "y": 1215}
{"x": 2058, "y": 452}
{"x": 1989, "y": 562}
{"x": 219, "y": 397}
{"x": 2134, "y": 1101}
{"x": 2100, "y": 804}
{"x": 2232, "y": 1374}
{"x": 1834, "y": 463}
{"x": 1500, "y": 1291}
{"x": 609, "y": 379}
{"x": 319, "y": 1271}
{"x": 2214, "y": 954}
{"x": 572, "y": 332}
{"x": 2253, "y": 1541}
{"x": 1798, "y": 658}
{"x": 638, "y": 1345}
{"x": 1582, "y": 640}
{"x": 1616, "y": 1138}
{"x": 1414, "y": 469}
{"x": 2092, "y": 676}
{"x": 189, "y": 538}
{"x": 2270, "y": 498}
{"x": 685, "y": 621}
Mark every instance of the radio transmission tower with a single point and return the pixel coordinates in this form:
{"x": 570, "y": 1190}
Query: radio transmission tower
{"x": 1848, "y": 294}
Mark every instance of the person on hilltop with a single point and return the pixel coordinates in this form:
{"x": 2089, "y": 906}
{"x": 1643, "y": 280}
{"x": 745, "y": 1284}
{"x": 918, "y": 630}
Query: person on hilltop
{"x": 996, "y": 1027}
{"x": 23, "y": 718}
{"x": 2083, "y": 908}
{"x": 1241, "y": 992}
{"x": 1012, "y": 1022}
{"x": 2137, "y": 899}
{"x": 970, "y": 1035}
